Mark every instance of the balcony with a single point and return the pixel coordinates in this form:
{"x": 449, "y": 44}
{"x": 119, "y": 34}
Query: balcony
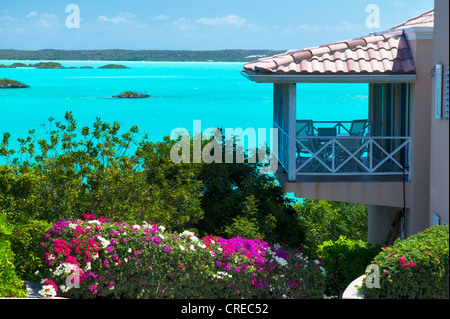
{"x": 333, "y": 151}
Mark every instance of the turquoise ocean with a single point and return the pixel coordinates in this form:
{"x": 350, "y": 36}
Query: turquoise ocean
{"x": 181, "y": 92}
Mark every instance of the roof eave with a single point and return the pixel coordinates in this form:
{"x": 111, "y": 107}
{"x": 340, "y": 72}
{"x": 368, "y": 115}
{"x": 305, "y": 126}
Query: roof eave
{"x": 329, "y": 78}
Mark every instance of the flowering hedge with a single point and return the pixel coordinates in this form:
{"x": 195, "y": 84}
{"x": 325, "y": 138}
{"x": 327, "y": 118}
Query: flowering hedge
{"x": 98, "y": 258}
{"x": 414, "y": 268}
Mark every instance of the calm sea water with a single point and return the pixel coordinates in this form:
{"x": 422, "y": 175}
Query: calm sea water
{"x": 181, "y": 92}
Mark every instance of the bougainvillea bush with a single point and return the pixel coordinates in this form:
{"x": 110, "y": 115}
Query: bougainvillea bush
{"x": 414, "y": 268}
{"x": 99, "y": 258}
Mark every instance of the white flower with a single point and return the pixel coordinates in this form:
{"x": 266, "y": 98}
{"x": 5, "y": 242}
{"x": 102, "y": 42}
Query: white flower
{"x": 47, "y": 291}
{"x": 88, "y": 266}
{"x": 280, "y": 260}
{"x": 162, "y": 228}
{"x": 72, "y": 225}
{"x": 105, "y": 243}
{"x": 64, "y": 288}
{"x": 187, "y": 234}
{"x": 65, "y": 269}
{"x": 181, "y": 247}
{"x": 192, "y": 247}
{"x": 161, "y": 236}
{"x": 201, "y": 245}
{"x": 136, "y": 226}
{"x": 94, "y": 221}
{"x": 129, "y": 250}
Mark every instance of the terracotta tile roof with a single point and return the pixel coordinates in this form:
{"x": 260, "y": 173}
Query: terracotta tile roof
{"x": 425, "y": 19}
{"x": 380, "y": 53}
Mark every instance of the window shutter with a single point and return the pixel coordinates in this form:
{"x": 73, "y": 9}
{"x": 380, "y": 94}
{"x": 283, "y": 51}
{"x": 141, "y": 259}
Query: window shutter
{"x": 438, "y": 91}
{"x": 446, "y": 110}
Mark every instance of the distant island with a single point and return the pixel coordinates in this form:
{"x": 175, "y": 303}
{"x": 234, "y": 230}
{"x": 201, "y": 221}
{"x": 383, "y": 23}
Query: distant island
{"x": 55, "y": 65}
{"x": 235, "y": 55}
{"x": 47, "y": 65}
{"x": 12, "y": 84}
{"x": 113, "y": 66}
{"x": 131, "y": 95}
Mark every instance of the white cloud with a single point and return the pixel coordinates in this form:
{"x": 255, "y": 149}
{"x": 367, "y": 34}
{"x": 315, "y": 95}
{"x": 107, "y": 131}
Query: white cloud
{"x": 312, "y": 27}
{"x": 122, "y": 17}
{"x": 184, "y": 24}
{"x": 398, "y": 4}
{"x": 31, "y": 14}
{"x": 162, "y": 17}
{"x": 6, "y": 19}
{"x": 49, "y": 16}
{"x": 230, "y": 20}
{"x": 48, "y": 20}
{"x": 344, "y": 26}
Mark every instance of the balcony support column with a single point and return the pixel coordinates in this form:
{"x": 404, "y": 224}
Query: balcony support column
{"x": 290, "y": 100}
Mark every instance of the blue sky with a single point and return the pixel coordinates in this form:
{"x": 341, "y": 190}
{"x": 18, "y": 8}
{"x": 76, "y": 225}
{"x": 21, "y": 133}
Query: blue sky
{"x": 195, "y": 24}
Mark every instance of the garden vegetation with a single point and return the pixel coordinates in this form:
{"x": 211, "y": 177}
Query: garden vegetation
{"x": 109, "y": 210}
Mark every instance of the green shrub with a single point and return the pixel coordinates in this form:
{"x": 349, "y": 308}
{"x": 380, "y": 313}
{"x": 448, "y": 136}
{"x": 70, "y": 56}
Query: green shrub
{"x": 10, "y": 283}
{"x": 344, "y": 261}
{"x": 328, "y": 220}
{"x": 26, "y": 244}
{"x": 414, "y": 268}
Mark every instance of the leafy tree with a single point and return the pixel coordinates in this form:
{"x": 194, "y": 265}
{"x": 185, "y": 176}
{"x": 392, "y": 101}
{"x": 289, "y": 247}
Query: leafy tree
{"x": 101, "y": 172}
{"x": 327, "y": 220}
{"x": 106, "y": 173}
{"x": 238, "y": 200}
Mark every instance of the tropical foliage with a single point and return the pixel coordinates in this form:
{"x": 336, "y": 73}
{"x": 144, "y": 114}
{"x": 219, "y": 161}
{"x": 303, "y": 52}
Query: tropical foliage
{"x": 414, "y": 268}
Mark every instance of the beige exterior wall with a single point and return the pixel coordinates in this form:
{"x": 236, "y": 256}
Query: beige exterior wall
{"x": 439, "y": 161}
{"x": 380, "y": 220}
{"x": 371, "y": 193}
{"x": 421, "y": 44}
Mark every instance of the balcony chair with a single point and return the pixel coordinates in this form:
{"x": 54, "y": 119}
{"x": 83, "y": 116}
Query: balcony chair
{"x": 351, "y": 145}
{"x": 357, "y": 126}
{"x": 302, "y": 129}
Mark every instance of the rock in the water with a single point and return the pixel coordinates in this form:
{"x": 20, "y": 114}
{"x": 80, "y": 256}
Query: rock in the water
{"x": 131, "y": 95}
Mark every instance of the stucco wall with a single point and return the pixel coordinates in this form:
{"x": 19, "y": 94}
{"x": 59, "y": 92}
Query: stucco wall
{"x": 439, "y": 161}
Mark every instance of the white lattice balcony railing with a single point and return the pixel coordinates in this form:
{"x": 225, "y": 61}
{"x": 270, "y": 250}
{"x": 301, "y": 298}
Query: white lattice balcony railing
{"x": 352, "y": 155}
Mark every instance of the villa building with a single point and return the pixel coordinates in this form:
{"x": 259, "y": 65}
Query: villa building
{"x": 397, "y": 160}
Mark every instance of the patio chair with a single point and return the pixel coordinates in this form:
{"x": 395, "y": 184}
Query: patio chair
{"x": 302, "y": 129}
{"x": 351, "y": 145}
{"x": 357, "y": 126}
{"x": 326, "y": 132}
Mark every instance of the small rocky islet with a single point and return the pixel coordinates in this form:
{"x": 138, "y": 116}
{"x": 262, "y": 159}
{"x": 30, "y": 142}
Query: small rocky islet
{"x": 12, "y": 84}
{"x": 131, "y": 95}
